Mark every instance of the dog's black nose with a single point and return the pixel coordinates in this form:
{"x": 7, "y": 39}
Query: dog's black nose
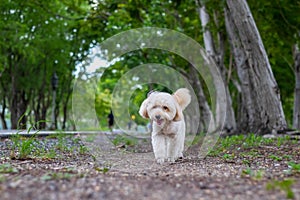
{"x": 157, "y": 117}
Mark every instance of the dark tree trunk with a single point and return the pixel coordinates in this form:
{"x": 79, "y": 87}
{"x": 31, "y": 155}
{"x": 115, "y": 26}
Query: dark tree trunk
{"x": 18, "y": 99}
{"x": 65, "y": 109}
{"x": 262, "y": 109}
{"x": 40, "y": 109}
{"x": 14, "y": 114}
{"x": 56, "y": 114}
{"x": 37, "y": 110}
{"x": 18, "y": 110}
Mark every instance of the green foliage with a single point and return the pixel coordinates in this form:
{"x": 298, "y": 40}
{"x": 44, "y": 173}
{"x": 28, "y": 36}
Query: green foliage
{"x": 102, "y": 169}
{"x": 23, "y": 147}
{"x": 295, "y": 167}
{"x": 274, "y": 157}
{"x": 284, "y": 185}
{"x": 38, "y": 38}
{"x": 90, "y": 138}
{"x": 228, "y": 156}
{"x": 29, "y": 147}
{"x": 116, "y": 17}
{"x": 236, "y": 141}
{"x": 254, "y": 174}
{"x": 124, "y": 140}
{"x": 58, "y": 176}
{"x": 250, "y": 142}
{"x": 7, "y": 168}
{"x": 282, "y": 140}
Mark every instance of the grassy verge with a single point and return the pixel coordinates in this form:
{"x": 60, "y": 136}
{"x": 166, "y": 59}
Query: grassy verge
{"x": 32, "y": 147}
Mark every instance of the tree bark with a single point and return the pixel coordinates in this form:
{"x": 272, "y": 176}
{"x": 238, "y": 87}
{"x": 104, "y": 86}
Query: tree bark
{"x": 296, "y": 113}
{"x": 65, "y": 109}
{"x": 18, "y": 110}
{"x": 218, "y": 58}
{"x": 18, "y": 98}
{"x": 3, "y": 103}
{"x": 207, "y": 122}
{"x": 262, "y": 106}
{"x": 2, "y": 114}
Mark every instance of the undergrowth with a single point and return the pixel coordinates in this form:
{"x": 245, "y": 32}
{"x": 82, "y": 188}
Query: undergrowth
{"x": 29, "y": 146}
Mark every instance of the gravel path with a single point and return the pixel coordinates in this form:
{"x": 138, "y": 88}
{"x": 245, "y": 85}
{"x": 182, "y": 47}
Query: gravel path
{"x": 104, "y": 171}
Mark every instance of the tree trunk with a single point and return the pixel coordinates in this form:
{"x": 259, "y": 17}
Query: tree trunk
{"x": 56, "y": 114}
{"x": 218, "y": 58}
{"x": 2, "y": 114}
{"x": 207, "y": 122}
{"x": 207, "y": 36}
{"x": 263, "y": 111}
{"x": 18, "y": 110}
{"x": 296, "y": 114}
{"x": 14, "y": 115}
{"x": 3, "y": 103}
{"x": 17, "y": 100}
{"x": 65, "y": 109}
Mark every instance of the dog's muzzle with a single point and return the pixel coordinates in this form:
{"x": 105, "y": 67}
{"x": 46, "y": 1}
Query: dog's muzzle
{"x": 158, "y": 119}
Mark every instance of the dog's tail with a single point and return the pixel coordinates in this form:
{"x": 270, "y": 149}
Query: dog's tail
{"x": 182, "y": 97}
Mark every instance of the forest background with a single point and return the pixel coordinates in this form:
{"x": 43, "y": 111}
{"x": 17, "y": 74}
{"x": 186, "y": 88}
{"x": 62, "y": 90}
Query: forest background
{"x": 40, "y": 38}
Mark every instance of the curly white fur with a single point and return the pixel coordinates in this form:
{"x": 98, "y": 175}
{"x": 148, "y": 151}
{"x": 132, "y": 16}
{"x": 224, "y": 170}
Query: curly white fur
{"x": 168, "y": 127}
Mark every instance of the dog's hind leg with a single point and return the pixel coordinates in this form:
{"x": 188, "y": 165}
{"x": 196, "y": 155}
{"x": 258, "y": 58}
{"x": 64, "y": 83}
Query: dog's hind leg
{"x": 180, "y": 149}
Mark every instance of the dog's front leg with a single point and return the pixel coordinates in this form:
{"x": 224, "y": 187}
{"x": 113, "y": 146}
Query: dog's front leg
{"x": 159, "y": 147}
{"x": 172, "y": 149}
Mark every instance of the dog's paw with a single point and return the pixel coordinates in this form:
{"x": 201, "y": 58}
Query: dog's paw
{"x": 160, "y": 160}
{"x": 171, "y": 159}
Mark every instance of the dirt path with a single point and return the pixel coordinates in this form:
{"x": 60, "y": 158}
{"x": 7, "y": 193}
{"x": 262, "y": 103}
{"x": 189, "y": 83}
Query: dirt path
{"x": 108, "y": 172}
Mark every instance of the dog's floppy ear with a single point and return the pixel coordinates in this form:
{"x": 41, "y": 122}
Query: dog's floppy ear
{"x": 143, "y": 109}
{"x": 179, "y": 114}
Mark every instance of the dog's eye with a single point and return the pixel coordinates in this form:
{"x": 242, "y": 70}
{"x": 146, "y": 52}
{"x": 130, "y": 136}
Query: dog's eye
{"x": 154, "y": 107}
{"x": 165, "y": 108}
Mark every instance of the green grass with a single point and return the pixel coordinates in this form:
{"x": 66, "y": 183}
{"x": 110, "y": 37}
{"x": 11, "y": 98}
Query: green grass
{"x": 102, "y": 169}
{"x": 7, "y": 168}
{"x": 90, "y": 138}
{"x": 295, "y": 167}
{"x": 62, "y": 141}
{"x": 228, "y": 156}
{"x": 247, "y": 142}
{"x": 276, "y": 158}
{"x": 58, "y": 176}
{"x": 124, "y": 140}
{"x": 284, "y": 185}
{"x": 23, "y": 147}
{"x": 30, "y": 147}
{"x": 254, "y": 174}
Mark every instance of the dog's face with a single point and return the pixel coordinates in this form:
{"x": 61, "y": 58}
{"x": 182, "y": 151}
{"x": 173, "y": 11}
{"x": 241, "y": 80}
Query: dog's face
{"x": 161, "y": 107}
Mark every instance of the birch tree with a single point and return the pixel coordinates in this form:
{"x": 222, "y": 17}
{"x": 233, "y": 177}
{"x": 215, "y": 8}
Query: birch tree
{"x": 217, "y": 56}
{"x": 261, "y": 105}
{"x": 296, "y": 113}
{"x": 207, "y": 118}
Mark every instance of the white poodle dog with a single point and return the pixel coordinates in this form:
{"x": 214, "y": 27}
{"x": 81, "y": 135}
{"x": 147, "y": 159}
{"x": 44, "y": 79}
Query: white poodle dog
{"x": 168, "y": 125}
